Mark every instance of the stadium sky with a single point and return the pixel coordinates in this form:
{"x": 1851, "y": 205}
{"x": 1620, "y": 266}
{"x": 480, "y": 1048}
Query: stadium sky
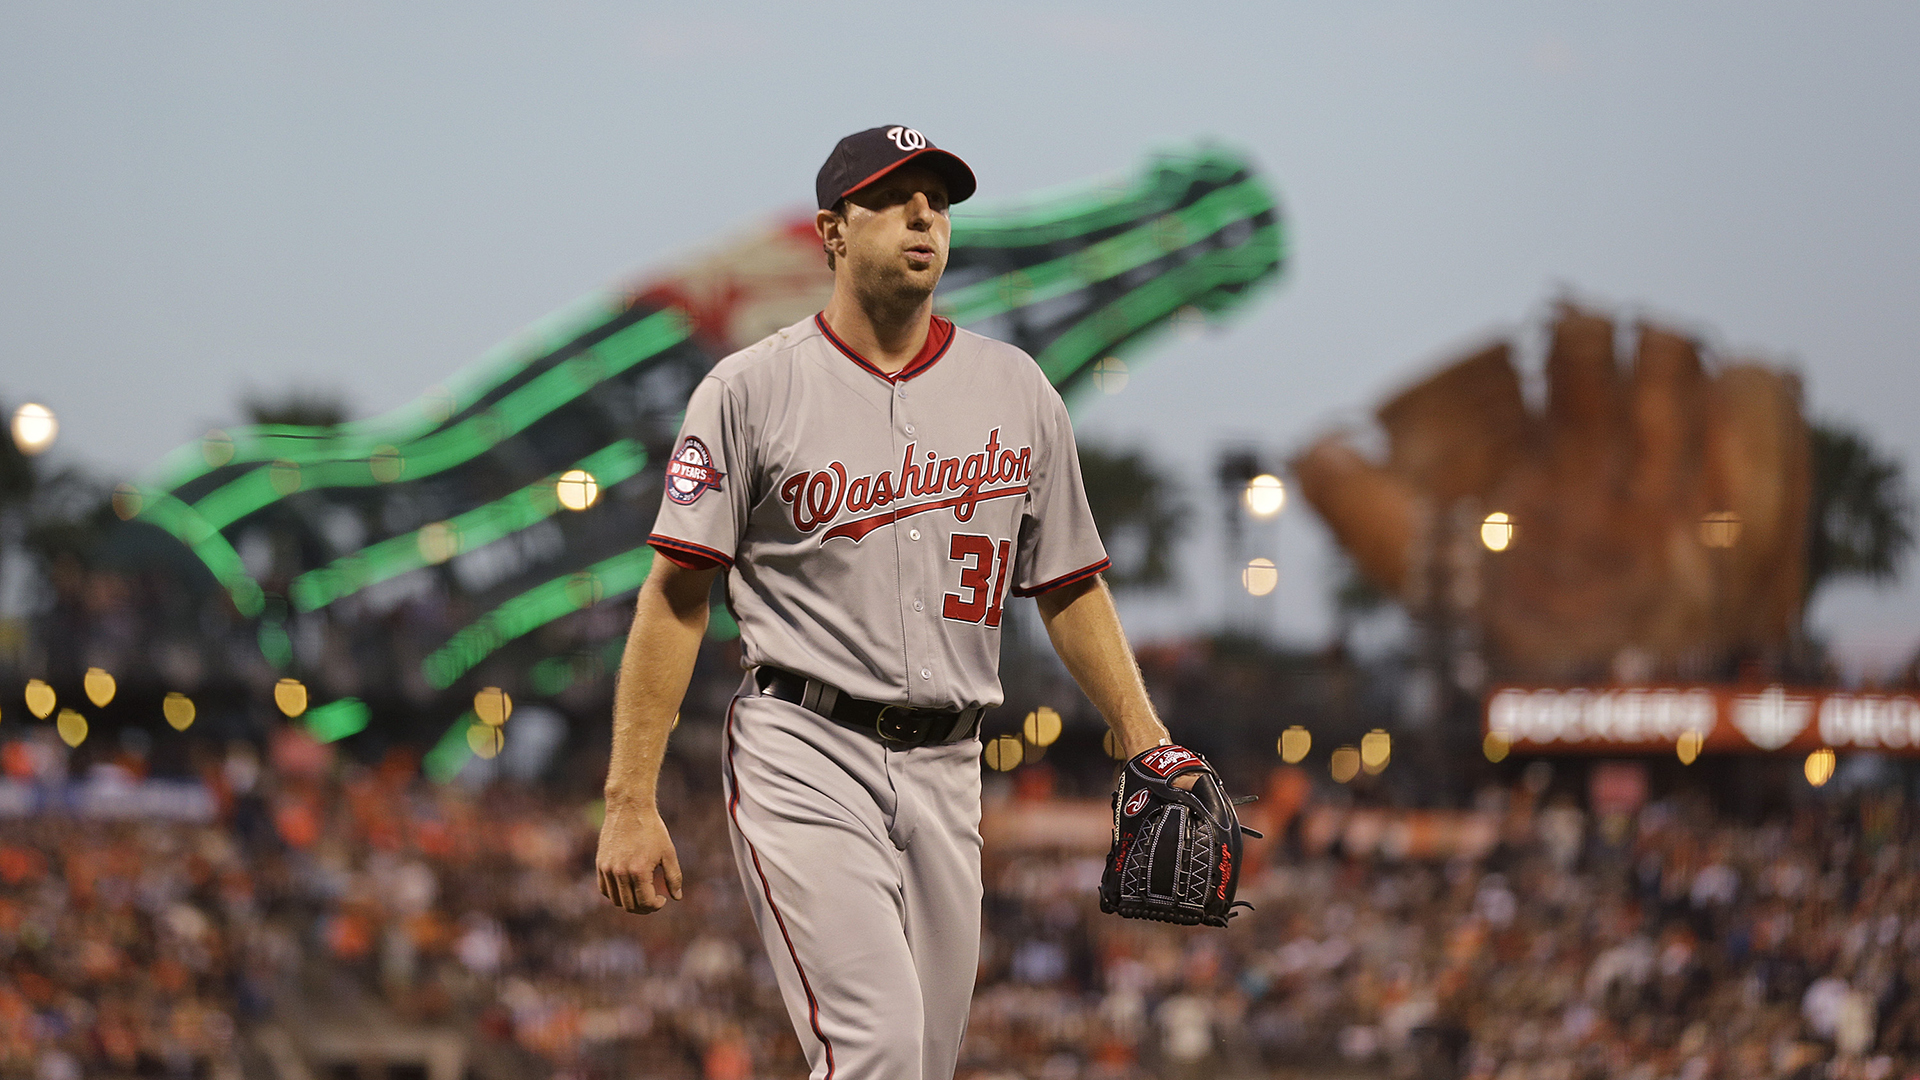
{"x": 205, "y": 199}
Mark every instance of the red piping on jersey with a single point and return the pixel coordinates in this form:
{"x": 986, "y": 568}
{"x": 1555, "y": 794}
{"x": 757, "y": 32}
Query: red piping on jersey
{"x": 858, "y": 528}
{"x": 1063, "y": 580}
{"x": 689, "y": 555}
{"x": 939, "y": 338}
{"x": 733, "y": 811}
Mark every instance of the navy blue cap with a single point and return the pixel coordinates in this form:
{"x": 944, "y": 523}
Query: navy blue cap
{"x": 866, "y": 156}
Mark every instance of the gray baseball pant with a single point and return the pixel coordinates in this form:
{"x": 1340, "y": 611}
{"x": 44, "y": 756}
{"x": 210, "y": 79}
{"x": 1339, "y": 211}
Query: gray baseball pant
{"x": 862, "y": 869}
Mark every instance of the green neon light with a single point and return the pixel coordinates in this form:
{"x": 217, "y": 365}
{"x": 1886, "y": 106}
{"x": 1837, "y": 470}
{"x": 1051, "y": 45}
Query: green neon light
{"x": 450, "y": 754}
{"x": 482, "y": 525}
{"x": 276, "y": 645}
{"x": 1196, "y": 282}
{"x": 533, "y": 609}
{"x": 556, "y": 675}
{"x": 1109, "y": 258}
{"x": 161, "y": 509}
{"x": 1053, "y": 216}
{"x": 551, "y": 677}
{"x": 269, "y": 442}
{"x": 337, "y": 719}
{"x": 471, "y": 437}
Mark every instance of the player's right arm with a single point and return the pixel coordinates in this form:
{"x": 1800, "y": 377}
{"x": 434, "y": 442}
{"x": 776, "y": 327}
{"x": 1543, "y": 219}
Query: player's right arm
{"x": 669, "y": 620}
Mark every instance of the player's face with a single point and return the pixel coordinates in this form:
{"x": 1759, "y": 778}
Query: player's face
{"x": 896, "y": 232}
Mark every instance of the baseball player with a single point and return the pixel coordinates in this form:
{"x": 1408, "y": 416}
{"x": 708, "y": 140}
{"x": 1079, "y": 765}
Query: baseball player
{"x": 874, "y": 481}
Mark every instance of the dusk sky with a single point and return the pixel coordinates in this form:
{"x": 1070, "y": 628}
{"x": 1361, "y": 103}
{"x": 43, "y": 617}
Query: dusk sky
{"x": 207, "y": 199}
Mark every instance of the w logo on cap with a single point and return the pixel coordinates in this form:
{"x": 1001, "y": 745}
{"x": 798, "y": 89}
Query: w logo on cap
{"x": 907, "y": 139}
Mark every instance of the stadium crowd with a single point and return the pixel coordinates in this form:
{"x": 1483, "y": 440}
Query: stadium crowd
{"x": 1675, "y": 944}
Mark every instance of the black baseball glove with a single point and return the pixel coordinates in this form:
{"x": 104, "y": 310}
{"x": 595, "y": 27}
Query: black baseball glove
{"x": 1176, "y": 853}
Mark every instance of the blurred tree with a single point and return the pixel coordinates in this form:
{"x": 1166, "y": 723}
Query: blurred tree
{"x": 1139, "y": 517}
{"x": 1860, "y": 520}
{"x": 51, "y": 509}
{"x": 16, "y": 468}
{"x": 297, "y": 408}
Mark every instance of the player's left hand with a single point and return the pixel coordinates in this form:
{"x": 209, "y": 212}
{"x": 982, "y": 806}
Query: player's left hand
{"x": 1176, "y": 847}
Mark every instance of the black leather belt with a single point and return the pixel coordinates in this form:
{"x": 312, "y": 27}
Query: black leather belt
{"x": 895, "y": 725}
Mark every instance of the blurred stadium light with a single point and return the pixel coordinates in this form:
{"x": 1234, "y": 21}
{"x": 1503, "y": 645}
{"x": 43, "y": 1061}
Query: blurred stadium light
{"x": 34, "y": 428}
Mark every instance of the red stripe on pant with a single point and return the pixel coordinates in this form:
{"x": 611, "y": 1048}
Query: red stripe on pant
{"x": 733, "y": 811}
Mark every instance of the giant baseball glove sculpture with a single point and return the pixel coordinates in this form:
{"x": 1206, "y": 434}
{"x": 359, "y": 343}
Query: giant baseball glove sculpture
{"x": 1176, "y": 852}
{"x": 1657, "y": 504}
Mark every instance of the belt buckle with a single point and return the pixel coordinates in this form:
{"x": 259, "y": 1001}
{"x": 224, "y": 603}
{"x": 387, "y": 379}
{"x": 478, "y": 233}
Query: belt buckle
{"x": 902, "y": 732}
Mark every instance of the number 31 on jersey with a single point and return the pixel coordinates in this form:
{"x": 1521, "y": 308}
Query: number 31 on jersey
{"x": 983, "y": 578}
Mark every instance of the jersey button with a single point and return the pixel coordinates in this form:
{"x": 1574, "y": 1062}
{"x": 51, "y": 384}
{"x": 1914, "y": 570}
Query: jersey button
{"x": 918, "y": 606}
{"x": 913, "y": 534}
{"x": 909, "y": 429}
{"x": 926, "y": 673}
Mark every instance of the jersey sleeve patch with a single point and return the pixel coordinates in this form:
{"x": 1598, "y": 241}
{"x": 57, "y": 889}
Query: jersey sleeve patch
{"x": 691, "y": 472}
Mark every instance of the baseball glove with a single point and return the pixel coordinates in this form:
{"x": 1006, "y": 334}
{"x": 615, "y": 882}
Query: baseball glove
{"x": 1176, "y": 853}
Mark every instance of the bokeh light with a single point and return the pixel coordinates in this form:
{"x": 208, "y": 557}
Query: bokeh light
{"x": 1042, "y": 726}
{"x": 485, "y": 740}
{"x": 1265, "y": 496}
{"x": 1110, "y": 375}
{"x": 438, "y": 541}
{"x": 1003, "y": 753}
{"x": 1016, "y": 289}
{"x": 1820, "y": 766}
{"x": 216, "y": 447}
{"x": 1495, "y": 747}
{"x": 1376, "y": 749}
{"x": 99, "y": 686}
{"x": 386, "y": 464}
{"x": 284, "y": 475}
{"x": 1720, "y": 529}
{"x": 1687, "y": 747}
{"x": 1294, "y": 744}
{"x": 40, "y": 699}
{"x": 1260, "y": 577}
{"x": 179, "y": 711}
{"x": 577, "y": 489}
{"x": 71, "y": 726}
{"x": 291, "y": 696}
{"x": 127, "y": 502}
{"x": 34, "y": 428}
{"x": 584, "y": 589}
{"x": 1496, "y": 532}
{"x": 492, "y": 705}
{"x": 1112, "y": 746}
{"x": 1344, "y": 764}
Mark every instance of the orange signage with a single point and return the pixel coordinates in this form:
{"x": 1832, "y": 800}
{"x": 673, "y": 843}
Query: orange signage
{"x": 1728, "y": 720}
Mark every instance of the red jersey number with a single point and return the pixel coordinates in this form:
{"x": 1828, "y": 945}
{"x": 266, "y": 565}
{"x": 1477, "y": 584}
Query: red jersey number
{"x": 983, "y": 579}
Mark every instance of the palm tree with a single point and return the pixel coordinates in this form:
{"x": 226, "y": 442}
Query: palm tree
{"x": 1139, "y": 516}
{"x": 1860, "y": 523}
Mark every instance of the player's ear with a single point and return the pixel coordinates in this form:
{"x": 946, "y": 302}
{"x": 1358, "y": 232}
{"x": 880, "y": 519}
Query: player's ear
{"x": 830, "y": 224}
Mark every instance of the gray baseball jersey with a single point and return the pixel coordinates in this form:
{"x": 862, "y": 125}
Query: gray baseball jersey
{"x": 872, "y": 526}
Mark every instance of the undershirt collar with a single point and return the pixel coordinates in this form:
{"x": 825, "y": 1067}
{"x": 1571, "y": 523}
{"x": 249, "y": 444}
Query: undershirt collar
{"x": 939, "y": 338}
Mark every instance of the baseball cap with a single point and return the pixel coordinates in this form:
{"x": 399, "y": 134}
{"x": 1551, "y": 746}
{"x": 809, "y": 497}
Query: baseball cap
{"x": 866, "y": 156}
